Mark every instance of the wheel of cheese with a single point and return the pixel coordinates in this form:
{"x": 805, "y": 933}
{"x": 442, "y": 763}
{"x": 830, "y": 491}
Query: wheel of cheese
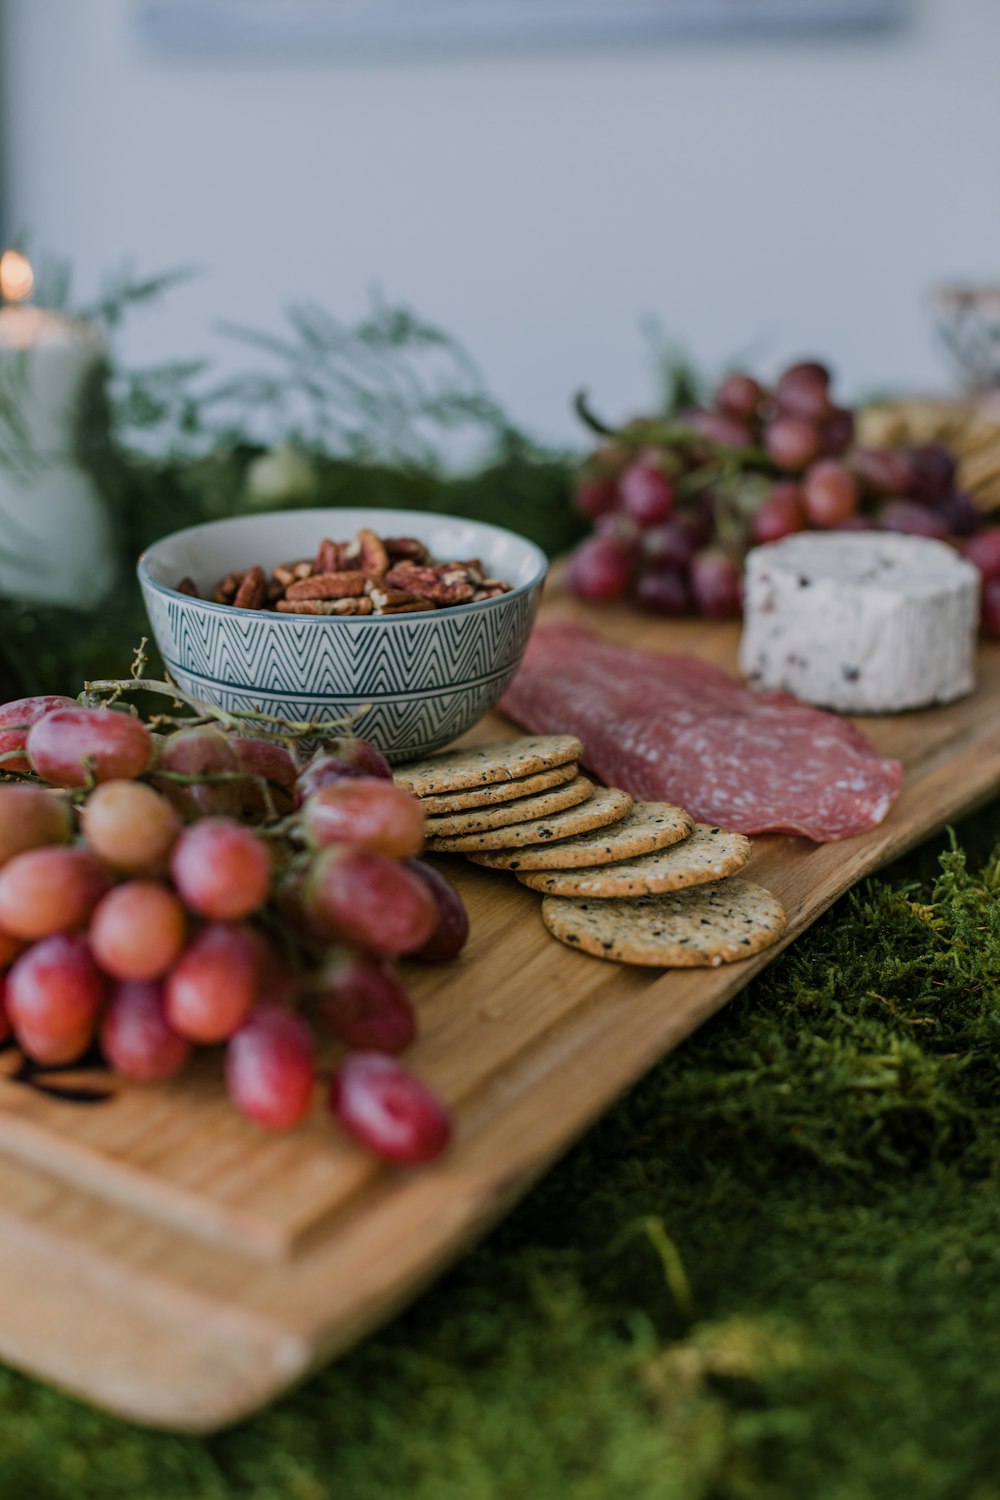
{"x": 864, "y": 622}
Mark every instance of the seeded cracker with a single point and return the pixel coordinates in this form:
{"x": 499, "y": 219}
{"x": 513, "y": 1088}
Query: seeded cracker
{"x": 498, "y": 791}
{"x": 482, "y": 765}
{"x": 524, "y": 810}
{"x": 700, "y": 928}
{"x": 605, "y": 805}
{"x": 649, "y": 826}
{"x": 708, "y": 854}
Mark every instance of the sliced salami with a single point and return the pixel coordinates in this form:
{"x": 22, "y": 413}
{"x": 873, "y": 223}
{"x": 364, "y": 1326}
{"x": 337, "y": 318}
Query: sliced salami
{"x": 678, "y": 729}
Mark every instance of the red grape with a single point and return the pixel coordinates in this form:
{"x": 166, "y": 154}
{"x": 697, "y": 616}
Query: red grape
{"x": 646, "y": 493}
{"x": 781, "y": 513}
{"x": 838, "y": 432}
{"x": 665, "y": 591}
{"x": 263, "y": 758}
{"x": 271, "y": 1069}
{"x": 16, "y": 718}
{"x": 276, "y": 982}
{"x": 30, "y": 817}
{"x": 808, "y": 371}
{"x": 600, "y": 569}
{"x": 371, "y": 900}
{"x": 4, "y": 1022}
{"x": 718, "y": 427}
{"x": 792, "y": 442}
{"x": 856, "y": 523}
{"x": 960, "y": 513}
{"x": 324, "y": 771}
{"x": 366, "y": 1002}
{"x": 831, "y": 493}
{"x": 991, "y": 608}
{"x": 221, "y": 869}
{"x": 54, "y": 992}
{"x": 595, "y": 494}
{"x": 738, "y": 395}
{"x": 804, "y": 391}
{"x": 388, "y": 1108}
{"x": 622, "y": 530}
{"x": 932, "y": 472}
{"x": 984, "y": 551}
{"x": 674, "y": 543}
{"x": 882, "y": 471}
{"x": 371, "y": 813}
{"x": 137, "y": 1039}
{"x": 206, "y": 752}
{"x": 912, "y": 519}
{"x": 138, "y": 930}
{"x": 213, "y": 985}
{"x": 344, "y": 757}
{"x": 361, "y": 753}
{"x": 49, "y": 890}
{"x": 451, "y": 933}
{"x": 130, "y": 826}
{"x": 716, "y": 582}
{"x": 10, "y": 947}
{"x": 72, "y": 746}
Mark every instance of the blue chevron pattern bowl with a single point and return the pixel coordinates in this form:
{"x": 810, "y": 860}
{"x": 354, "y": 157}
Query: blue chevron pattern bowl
{"x": 422, "y": 679}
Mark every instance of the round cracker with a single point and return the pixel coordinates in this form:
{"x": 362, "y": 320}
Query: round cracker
{"x": 648, "y": 826}
{"x": 524, "y": 810}
{"x": 708, "y": 854}
{"x": 605, "y": 805}
{"x": 481, "y": 765}
{"x": 498, "y": 791}
{"x": 699, "y": 928}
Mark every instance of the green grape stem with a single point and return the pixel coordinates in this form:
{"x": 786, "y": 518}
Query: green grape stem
{"x": 235, "y": 719}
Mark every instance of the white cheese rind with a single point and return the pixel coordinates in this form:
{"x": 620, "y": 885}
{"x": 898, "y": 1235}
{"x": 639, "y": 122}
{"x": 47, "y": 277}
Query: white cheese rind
{"x": 864, "y": 622}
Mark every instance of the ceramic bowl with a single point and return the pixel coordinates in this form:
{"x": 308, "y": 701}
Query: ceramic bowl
{"x": 422, "y": 679}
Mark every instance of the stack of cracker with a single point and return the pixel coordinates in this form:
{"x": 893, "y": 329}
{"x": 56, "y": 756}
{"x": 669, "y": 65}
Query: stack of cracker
{"x": 635, "y": 882}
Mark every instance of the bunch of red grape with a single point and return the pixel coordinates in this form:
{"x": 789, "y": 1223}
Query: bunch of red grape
{"x": 676, "y": 504}
{"x": 160, "y": 892}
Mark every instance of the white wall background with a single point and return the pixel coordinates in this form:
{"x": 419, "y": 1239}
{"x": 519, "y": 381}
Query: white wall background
{"x": 789, "y": 196}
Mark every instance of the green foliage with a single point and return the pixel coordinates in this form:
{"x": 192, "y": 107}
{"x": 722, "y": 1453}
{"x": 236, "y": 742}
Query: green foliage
{"x": 772, "y": 1272}
{"x": 371, "y": 407}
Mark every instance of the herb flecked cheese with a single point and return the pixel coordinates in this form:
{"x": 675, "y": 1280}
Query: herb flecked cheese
{"x": 865, "y": 622}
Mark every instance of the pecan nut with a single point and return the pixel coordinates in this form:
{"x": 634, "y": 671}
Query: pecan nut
{"x": 330, "y": 557}
{"x": 405, "y": 547}
{"x": 328, "y": 586}
{"x": 189, "y": 587}
{"x": 385, "y": 599}
{"x": 252, "y": 592}
{"x": 366, "y": 553}
{"x": 290, "y": 572}
{"x": 356, "y": 606}
{"x": 226, "y": 589}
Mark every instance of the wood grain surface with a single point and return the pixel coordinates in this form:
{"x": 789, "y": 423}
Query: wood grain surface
{"x": 163, "y": 1258}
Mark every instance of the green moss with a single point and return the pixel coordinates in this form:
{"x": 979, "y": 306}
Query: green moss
{"x": 772, "y": 1273}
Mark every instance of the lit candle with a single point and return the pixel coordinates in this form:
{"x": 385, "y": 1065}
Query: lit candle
{"x": 55, "y": 541}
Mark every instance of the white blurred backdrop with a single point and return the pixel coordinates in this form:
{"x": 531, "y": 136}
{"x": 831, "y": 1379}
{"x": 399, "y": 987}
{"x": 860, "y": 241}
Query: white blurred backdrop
{"x": 779, "y": 196}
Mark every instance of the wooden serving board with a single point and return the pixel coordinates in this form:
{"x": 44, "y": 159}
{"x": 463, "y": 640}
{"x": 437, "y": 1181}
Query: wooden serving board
{"x": 162, "y": 1258}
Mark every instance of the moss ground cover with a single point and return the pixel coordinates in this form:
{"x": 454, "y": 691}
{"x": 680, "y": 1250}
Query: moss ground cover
{"x": 773, "y": 1271}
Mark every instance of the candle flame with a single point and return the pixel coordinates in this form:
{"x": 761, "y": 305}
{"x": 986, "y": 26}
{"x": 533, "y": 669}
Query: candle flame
{"x": 16, "y": 276}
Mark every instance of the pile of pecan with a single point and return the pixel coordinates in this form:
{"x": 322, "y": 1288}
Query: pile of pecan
{"x": 370, "y": 575}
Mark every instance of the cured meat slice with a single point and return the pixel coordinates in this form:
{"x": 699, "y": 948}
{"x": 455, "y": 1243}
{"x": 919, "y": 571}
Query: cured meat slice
{"x": 678, "y": 729}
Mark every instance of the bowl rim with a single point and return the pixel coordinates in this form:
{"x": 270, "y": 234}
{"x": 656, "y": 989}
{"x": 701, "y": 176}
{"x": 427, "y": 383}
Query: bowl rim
{"x": 146, "y": 579}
